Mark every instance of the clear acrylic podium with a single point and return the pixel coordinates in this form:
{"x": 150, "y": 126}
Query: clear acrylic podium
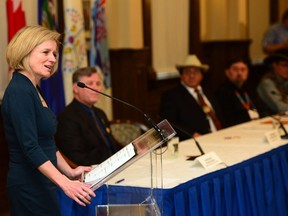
{"x": 128, "y": 210}
{"x": 141, "y": 146}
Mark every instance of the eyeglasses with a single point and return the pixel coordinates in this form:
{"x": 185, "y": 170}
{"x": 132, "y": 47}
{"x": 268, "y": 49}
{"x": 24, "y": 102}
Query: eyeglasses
{"x": 191, "y": 71}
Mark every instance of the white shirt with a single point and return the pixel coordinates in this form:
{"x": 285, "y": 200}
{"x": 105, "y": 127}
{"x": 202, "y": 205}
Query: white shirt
{"x": 194, "y": 94}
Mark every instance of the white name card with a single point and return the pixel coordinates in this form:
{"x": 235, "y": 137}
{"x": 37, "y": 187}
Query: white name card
{"x": 273, "y": 136}
{"x": 209, "y": 160}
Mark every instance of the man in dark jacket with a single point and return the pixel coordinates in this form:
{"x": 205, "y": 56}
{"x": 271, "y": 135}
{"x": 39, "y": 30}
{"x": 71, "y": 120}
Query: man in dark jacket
{"x": 83, "y": 132}
{"x": 233, "y": 98}
{"x": 188, "y": 106}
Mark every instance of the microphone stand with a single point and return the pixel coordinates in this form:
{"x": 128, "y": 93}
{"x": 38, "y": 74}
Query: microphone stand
{"x": 285, "y": 136}
{"x": 188, "y": 134}
{"x": 147, "y": 118}
{"x": 199, "y": 148}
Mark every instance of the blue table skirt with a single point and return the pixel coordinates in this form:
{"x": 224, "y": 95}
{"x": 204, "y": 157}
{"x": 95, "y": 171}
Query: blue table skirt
{"x": 258, "y": 186}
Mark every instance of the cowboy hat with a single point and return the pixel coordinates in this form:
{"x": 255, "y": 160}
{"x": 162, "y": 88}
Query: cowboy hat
{"x": 276, "y": 56}
{"x": 192, "y": 61}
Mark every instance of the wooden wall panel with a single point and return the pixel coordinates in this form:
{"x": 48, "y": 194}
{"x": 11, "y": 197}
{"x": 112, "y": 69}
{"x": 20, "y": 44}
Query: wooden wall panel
{"x": 216, "y": 54}
{"x": 155, "y": 90}
{"x": 129, "y": 76}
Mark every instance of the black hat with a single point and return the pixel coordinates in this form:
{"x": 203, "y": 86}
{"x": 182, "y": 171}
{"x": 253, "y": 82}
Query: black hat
{"x": 277, "y": 56}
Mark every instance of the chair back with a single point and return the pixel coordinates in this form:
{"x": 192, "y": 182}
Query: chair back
{"x": 125, "y": 131}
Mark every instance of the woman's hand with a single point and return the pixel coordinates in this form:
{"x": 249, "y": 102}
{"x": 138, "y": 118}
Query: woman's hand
{"x": 71, "y": 173}
{"x": 78, "y": 191}
{"x": 79, "y": 171}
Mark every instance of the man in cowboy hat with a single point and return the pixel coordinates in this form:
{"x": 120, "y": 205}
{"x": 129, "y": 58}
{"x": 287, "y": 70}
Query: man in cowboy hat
{"x": 273, "y": 87}
{"x": 188, "y": 106}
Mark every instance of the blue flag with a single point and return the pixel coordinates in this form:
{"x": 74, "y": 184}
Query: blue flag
{"x": 52, "y": 88}
{"x": 99, "y": 51}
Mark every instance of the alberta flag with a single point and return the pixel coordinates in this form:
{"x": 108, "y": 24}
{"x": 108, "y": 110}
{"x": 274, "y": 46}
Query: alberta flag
{"x": 74, "y": 50}
{"x": 52, "y": 88}
{"x": 99, "y": 51}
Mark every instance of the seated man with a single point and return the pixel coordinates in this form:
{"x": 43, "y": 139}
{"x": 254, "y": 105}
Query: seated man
{"x": 189, "y": 108}
{"x": 273, "y": 88}
{"x": 83, "y": 132}
{"x": 233, "y": 99}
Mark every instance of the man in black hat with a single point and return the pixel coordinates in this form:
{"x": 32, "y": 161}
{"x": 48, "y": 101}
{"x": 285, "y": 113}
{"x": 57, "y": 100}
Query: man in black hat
{"x": 273, "y": 88}
{"x": 233, "y": 96}
{"x": 190, "y": 108}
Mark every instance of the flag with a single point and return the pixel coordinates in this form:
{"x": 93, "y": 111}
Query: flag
{"x": 52, "y": 88}
{"x": 74, "y": 50}
{"x": 99, "y": 51}
{"x": 15, "y": 17}
{"x": 47, "y": 14}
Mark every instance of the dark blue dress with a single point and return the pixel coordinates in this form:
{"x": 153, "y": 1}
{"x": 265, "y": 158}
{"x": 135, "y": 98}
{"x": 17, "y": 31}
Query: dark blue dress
{"x": 29, "y": 131}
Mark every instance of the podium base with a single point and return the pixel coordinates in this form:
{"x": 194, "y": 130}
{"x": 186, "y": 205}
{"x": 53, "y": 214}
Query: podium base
{"x": 128, "y": 210}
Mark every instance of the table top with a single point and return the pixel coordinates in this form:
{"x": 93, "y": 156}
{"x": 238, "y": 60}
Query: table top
{"x": 233, "y": 145}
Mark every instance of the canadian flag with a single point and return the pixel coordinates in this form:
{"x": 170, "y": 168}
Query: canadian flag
{"x": 15, "y": 17}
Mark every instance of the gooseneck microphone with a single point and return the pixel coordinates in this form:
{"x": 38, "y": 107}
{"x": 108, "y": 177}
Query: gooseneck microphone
{"x": 285, "y": 135}
{"x": 188, "y": 134}
{"x": 147, "y": 118}
{"x": 199, "y": 148}
{"x": 195, "y": 141}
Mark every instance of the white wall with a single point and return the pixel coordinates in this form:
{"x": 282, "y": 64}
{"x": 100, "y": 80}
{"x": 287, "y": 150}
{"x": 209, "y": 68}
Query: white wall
{"x": 169, "y": 30}
{"x": 124, "y": 23}
{"x": 236, "y": 19}
{"x": 223, "y": 19}
{"x": 258, "y": 23}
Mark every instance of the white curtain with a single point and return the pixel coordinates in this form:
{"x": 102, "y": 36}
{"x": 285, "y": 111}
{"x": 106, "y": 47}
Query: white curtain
{"x": 170, "y": 32}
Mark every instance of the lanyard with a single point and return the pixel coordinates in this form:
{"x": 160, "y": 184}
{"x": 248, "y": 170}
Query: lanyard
{"x": 245, "y": 103}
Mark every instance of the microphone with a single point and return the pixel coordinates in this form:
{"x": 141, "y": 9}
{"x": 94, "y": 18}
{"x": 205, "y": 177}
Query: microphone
{"x": 199, "y": 148}
{"x": 188, "y": 134}
{"x": 147, "y": 118}
{"x": 285, "y": 135}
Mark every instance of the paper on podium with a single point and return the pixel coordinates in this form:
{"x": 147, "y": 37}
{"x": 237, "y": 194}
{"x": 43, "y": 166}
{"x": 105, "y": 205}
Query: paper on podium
{"x": 132, "y": 152}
